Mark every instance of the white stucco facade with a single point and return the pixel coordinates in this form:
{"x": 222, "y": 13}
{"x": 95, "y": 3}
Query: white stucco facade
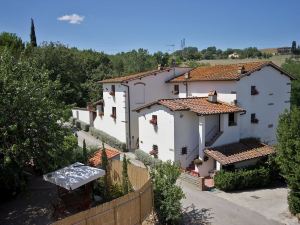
{"x": 82, "y": 115}
{"x": 128, "y": 96}
{"x": 272, "y": 99}
{"x": 192, "y": 131}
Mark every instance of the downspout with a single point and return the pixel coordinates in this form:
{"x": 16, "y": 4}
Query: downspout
{"x": 129, "y": 124}
{"x": 186, "y": 89}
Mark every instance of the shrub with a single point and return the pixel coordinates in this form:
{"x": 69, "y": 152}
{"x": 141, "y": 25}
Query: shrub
{"x": 167, "y": 195}
{"x": 106, "y": 138}
{"x": 294, "y": 202}
{"x": 243, "y": 179}
{"x": 147, "y": 159}
{"x": 288, "y": 156}
{"x": 84, "y": 126}
{"x": 78, "y": 124}
{"x": 72, "y": 120}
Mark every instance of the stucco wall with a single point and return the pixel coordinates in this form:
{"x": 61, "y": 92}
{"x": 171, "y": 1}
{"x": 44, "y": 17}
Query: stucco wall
{"x": 82, "y": 115}
{"x": 230, "y": 134}
{"x": 186, "y": 135}
{"x": 273, "y": 98}
{"x": 152, "y": 88}
{"x": 114, "y": 127}
{"x": 225, "y": 89}
{"x": 161, "y": 135}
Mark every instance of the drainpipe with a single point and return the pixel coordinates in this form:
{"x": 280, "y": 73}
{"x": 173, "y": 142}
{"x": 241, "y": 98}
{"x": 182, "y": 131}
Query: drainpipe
{"x": 186, "y": 89}
{"x": 129, "y": 124}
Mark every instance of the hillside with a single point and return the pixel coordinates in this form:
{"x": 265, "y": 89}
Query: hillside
{"x": 277, "y": 59}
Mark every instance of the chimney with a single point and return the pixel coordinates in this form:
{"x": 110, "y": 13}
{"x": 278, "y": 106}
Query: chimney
{"x": 213, "y": 96}
{"x": 241, "y": 70}
{"x": 187, "y": 75}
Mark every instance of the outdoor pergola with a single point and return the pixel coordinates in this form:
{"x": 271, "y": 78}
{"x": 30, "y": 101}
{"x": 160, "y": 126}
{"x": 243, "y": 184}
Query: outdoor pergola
{"x": 74, "y": 176}
{"x": 74, "y": 186}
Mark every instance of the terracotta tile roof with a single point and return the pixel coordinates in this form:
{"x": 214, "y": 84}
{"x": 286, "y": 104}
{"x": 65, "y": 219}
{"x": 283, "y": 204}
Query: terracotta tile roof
{"x": 237, "y": 152}
{"x": 199, "y": 105}
{"x": 134, "y": 76}
{"x": 96, "y": 159}
{"x": 225, "y": 72}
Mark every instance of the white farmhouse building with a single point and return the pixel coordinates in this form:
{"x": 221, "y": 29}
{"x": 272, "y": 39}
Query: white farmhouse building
{"x": 214, "y": 113}
{"x": 221, "y": 127}
{"x": 123, "y": 94}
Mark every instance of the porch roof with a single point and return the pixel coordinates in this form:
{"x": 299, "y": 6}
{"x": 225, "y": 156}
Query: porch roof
{"x": 237, "y": 152}
{"x": 199, "y": 105}
{"x": 74, "y": 176}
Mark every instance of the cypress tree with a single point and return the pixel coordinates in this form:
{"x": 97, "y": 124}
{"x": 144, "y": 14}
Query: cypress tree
{"x": 105, "y": 166}
{"x": 126, "y": 186}
{"x": 84, "y": 152}
{"x": 32, "y": 35}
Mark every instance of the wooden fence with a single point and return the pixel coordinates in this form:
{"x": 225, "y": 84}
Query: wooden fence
{"x": 130, "y": 209}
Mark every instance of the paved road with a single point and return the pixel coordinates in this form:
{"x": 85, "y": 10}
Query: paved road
{"x": 207, "y": 208}
{"x": 271, "y": 203}
{"x": 91, "y": 141}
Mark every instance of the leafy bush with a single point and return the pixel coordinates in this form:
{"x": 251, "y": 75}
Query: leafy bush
{"x": 288, "y": 155}
{"x": 115, "y": 190}
{"x": 294, "y": 202}
{"x": 147, "y": 159}
{"x": 106, "y": 138}
{"x": 85, "y": 126}
{"x": 72, "y": 120}
{"x": 167, "y": 195}
{"x": 243, "y": 179}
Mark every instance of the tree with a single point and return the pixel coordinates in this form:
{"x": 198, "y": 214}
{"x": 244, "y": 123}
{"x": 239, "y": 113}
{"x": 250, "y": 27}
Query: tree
{"x": 294, "y": 47}
{"x": 293, "y": 67}
{"x": 32, "y": 35}
{"x": 106, "y": 166}
{"x": 84, "y": 152}
{"x": 11, "y": 43}
{"x": 167, "y": 195}
{"x": 126, "y": 186}
{"x": 288, "y": 155}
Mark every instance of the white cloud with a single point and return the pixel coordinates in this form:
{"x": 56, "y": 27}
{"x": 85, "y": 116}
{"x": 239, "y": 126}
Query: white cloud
{"x": 73, "y": 19}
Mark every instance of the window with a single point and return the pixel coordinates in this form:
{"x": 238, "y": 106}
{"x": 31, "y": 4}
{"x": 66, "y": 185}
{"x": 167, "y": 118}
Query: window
{"x": 101, "y": 109}
{"x": 184, "y": 151}
{"x": 113, "y": 90}
{"x": 253, "y": 118}
{"x": 176, "y": 89}
{"x": 154, "y": 120}
{"x": 113, "y": 112}
{"x": 154, "y": 151}
{"x": 231, "y": 119}
{"x": 253, "y": 90}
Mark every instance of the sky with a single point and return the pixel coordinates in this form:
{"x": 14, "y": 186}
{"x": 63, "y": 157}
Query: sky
{"x": 122, "y": 25}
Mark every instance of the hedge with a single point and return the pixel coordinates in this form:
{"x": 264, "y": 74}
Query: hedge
{"x": 106, "y": 138}
{"x": 147, "y": 159}
{"x": 243, "y": 179}
{"x": 82, "y": 125}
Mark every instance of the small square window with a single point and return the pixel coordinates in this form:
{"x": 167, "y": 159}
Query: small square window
{"x": 113, "y": 112}
{"x": 184, "y": 151}
{"x": 253, "y": 90}
{"x": 113, "y": 90}
{"x": 231, "y": 119}
{"x": 154, "y": 151}
{"x": 154, "y": 120}
{"x": 253, "y": 118}
{"x": 176, "y": 89}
